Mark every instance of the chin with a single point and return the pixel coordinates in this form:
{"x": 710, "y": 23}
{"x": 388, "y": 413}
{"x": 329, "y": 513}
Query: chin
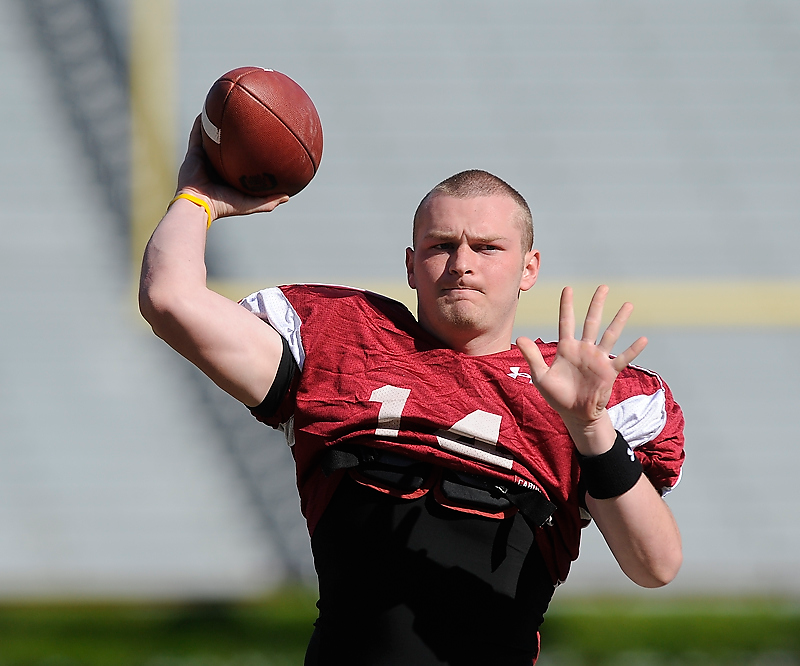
{"x": 462, "y": 318}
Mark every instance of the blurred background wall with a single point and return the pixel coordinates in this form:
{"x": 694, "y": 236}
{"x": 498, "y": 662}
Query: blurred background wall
{"x": 657, "y": 143}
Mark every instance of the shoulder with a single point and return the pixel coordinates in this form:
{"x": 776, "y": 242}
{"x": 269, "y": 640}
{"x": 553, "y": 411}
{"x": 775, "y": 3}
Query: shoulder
{"x": 644, "y": 411}
{"x": 638, "y": 405}
{"x": 638, "y": 378}
{"x": 310, "y": 297}
{"x": 331, "y": 316}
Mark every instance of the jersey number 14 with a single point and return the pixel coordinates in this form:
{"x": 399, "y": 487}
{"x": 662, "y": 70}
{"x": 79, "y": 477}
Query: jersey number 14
{"x": 474, "y": 436}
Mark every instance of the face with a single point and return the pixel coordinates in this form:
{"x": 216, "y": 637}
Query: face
{"x": 468, "y": 267}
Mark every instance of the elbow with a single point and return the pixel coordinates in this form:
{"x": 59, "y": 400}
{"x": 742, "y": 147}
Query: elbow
{"x": 146, "y": 306}
{"x": 661, "y": 571}
{"x": 671, "y": 568}
{"x": 156, "y": 307}
{"x": 172, "y": 314}
{"x": 150, "y": 306}
{"x": 148, "y": 295}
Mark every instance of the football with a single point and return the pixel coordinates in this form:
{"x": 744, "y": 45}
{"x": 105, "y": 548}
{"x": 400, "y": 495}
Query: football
{"x": 261, "y": 132}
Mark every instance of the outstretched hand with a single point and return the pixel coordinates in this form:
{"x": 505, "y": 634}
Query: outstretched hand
{"x": 578, "y": 383}
{"x": 224, "y": 200}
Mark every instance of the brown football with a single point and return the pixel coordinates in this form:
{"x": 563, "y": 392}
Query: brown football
{"x": 261, "y": 132}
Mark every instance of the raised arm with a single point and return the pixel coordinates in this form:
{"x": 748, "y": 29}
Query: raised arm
{"x": 637, "y": 524}
{"x": 229, "y": 344}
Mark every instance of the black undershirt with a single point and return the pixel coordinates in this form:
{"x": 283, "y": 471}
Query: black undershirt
{"x": 407, "y": 582}
{"x": 284, "y": 375}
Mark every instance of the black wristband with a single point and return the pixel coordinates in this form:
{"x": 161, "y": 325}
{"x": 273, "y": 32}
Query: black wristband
{"x": 611, "y": 473}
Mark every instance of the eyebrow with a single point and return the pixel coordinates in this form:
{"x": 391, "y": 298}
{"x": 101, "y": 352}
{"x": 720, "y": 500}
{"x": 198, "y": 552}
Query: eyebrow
{"x": 445, "y": 236}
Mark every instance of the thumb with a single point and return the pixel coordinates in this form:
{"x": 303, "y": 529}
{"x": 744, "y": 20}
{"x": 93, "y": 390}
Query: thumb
{"x": 530, "y": 350}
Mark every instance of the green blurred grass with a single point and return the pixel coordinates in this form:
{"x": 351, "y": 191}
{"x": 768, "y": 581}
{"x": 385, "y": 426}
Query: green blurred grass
{"x": 679, "y": 631}
{"x": 275, "y": 630}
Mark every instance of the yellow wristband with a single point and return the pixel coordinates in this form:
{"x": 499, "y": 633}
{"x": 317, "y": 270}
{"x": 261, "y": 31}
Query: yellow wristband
{"x": 195, "y": 200}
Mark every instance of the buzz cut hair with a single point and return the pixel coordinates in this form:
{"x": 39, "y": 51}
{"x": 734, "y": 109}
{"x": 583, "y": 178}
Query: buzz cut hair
{"x": 478, "y": 183}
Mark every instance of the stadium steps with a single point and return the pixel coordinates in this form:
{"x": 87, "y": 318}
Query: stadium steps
{"x": 113, "y": 482}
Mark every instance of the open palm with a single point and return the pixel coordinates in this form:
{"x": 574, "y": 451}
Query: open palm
{"x": 578, "y": 383}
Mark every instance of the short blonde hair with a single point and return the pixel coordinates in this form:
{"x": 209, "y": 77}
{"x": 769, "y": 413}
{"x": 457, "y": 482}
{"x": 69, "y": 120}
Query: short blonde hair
{"x": 479, "y": 183}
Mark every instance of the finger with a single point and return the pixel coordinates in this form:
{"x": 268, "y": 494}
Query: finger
{"x": 264, "y": 205}
{"x": 629, "y": 354}
{"x": 615, "y": 328}
{"x": 195, "y": 135}
{"x": 594, "y": 315}
{"x": 566, "y": 316}
{"x": 234, "y": 202}
{"x": 193, "y": 172}
{"x": 530, "y": 350}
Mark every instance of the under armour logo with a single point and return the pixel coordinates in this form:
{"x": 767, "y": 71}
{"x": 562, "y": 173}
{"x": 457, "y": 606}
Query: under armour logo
{"x": 515, "y": 372}
{"x": 630, "y": 453}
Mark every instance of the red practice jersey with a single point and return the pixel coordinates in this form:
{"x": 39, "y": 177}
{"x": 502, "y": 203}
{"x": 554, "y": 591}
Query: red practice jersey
{"x": 370, "y": 375}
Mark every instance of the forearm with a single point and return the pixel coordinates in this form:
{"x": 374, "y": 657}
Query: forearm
{"x": 174, "y": 259}
{"x": 637, "y": 525}
{"x": 641, "y": 532}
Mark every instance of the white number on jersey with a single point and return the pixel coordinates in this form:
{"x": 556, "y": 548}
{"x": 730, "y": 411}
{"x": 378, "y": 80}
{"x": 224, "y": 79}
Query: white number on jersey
{"x": 393, "y": 400}
{"x": 475, "y": 436}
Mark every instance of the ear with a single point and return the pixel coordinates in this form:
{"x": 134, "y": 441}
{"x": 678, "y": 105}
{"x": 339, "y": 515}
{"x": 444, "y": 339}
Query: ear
{"x": 530, "y": 270}
{"x": 410, "y": 268}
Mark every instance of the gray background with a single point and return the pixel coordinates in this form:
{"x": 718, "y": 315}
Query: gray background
{"x": 653, "y": 140}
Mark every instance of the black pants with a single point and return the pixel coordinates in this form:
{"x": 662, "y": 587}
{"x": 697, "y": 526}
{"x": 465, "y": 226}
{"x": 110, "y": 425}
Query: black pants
{"x": 411, "y": 583}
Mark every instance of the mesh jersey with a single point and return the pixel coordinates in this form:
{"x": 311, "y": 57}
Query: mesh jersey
{"x": 371, "y": 375}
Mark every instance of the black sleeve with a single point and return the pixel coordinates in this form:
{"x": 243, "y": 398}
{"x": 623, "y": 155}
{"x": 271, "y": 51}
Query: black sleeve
{"x": 280, "y": 386}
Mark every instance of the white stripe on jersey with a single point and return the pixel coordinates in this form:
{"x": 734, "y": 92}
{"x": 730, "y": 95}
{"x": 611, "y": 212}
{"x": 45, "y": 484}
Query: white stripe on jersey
{"x": 640, "y": 418}
{"x": 272, "y": 304}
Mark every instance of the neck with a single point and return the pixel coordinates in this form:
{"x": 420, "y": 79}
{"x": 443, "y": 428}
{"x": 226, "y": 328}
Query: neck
{"x": 472, "y": 343}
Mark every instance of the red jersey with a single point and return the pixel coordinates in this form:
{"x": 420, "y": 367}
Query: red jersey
{"x": 371, "y": 375}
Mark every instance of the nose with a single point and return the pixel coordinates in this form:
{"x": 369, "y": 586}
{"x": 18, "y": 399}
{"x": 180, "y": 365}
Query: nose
{"x": 460, "y": 263}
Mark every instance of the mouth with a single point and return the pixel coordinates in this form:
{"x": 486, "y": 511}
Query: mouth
{"x": 461, "y": 285}
{"x": 455, "y": 291}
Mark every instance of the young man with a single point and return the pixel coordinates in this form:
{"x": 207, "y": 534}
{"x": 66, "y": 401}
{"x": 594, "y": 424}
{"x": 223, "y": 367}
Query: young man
{"x": 445, "y": 473}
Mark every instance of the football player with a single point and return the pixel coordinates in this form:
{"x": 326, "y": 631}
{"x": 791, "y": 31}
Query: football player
{"x": 444, "y": 472}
